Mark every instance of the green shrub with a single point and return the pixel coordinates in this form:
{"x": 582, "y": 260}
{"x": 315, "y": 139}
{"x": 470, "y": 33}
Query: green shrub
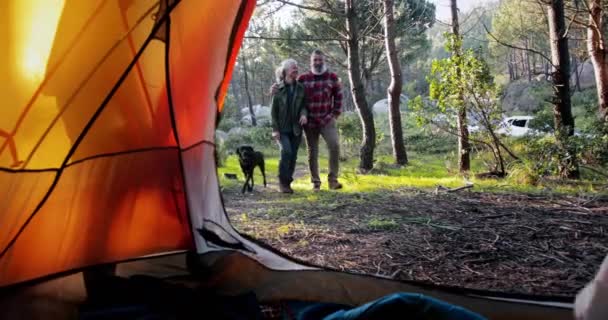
{"x": 523, "y": 173}
{"x": 227, "y": 124}
{"x": 258, "y": 137}
{"x": 349, "y": 128}
{"x": 427, "y": 143}
{"x": 543, "y": 120}
{"x": 543, "y": 153}
{"x": 221, "y": 153}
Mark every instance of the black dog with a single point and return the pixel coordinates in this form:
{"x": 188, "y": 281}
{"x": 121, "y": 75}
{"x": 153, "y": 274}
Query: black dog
{"x": 249, "y": 159}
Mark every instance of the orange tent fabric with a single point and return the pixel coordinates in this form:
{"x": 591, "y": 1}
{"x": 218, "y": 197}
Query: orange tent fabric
{"x": 107, "y": 106}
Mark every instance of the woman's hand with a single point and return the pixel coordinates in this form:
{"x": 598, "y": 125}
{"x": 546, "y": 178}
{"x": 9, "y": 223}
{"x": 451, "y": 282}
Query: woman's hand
{"x": 276, "y": 135}
{"x": 303, "y": 120}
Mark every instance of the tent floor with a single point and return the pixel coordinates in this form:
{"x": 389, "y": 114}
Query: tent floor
{"x": 231, "y": 273}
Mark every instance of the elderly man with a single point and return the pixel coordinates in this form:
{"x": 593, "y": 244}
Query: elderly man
{"x": 324, "y": 96}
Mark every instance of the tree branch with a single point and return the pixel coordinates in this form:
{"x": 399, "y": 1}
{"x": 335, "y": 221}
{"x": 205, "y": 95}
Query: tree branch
{"x": 493, "y": 133}
{"x": 372, "y": 27}
{"x": 305, "y": 7}
{"x": 291, "y": 39}
{"x": 516, "y": 47}
{"x": 474, "y": 24}
{"x": 570, "y": 25}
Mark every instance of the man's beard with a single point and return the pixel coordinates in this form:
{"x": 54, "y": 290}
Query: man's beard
{"x": 318, "y": 69}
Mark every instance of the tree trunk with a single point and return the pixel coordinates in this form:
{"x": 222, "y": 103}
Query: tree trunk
{"x": 511, "y": 66}
{"x": 464, "y": 161}
{"x": 528, "y": 69}
{"x": 522, "y": 59}
{"x": 596, "y": 45}
{"x": 249, "y": 101}
{"x": 562, "y": 113}
{"x": 394, "y": 89}
{"x": 511, "y": 73}
{"x": 515, "y": 65}
{"x": 577, "y": 79}
{"x": 366, "y": 156}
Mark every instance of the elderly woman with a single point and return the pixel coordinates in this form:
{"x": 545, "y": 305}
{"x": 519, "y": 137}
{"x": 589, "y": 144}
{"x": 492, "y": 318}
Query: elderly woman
{"x": 289, "y": 114}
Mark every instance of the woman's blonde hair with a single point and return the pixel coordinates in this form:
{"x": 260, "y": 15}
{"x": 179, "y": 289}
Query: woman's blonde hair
{"x": 280, "y": 72}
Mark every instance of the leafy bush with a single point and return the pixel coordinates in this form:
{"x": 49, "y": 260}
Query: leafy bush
{"x": 543, "y": 120}
{"x": 221, "y": 153}
{"x": 593, "y": 149}
{"x": 349, "y": 128}
{"x": 426, "y": 143}
{"x": 227, "y": 123}
{"x": 523, "y": 173}
{"x": 257, "y": 137}
{"x": 543, "y": 154}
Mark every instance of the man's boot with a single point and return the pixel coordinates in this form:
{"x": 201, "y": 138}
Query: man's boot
{"x": 285, "y": 188}
{"x": 335, "y": 185}
{"x": 316, "y": 187}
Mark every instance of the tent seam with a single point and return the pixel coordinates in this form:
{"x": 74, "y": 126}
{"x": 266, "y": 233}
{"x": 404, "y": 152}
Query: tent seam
{"x": 175, "y": 127}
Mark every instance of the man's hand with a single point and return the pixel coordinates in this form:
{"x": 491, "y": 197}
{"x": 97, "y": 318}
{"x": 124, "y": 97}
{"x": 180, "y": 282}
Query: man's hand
{"x": 274, "y": 88}
{"x": 276, "y": 135}
{"x": 303, "y": 120}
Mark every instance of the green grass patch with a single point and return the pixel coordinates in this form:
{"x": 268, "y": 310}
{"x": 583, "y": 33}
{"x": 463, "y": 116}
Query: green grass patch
{"x": 382, "y": 224}
{"x": 423, "y": 171}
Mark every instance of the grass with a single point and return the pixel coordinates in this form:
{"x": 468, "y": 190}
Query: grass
{"x": 382, "y": 224}
{"x": 423, "y": 171}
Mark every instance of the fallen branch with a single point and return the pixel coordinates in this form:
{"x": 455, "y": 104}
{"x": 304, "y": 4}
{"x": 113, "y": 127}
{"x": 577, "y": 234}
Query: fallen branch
{"x": 442, "y": 188}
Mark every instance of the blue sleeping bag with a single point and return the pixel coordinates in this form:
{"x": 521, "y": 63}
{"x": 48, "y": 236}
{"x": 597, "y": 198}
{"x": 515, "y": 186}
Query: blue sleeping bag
{"x": 395, "y": 306}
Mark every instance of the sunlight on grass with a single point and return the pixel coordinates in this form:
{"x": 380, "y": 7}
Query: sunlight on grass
{"x": 423, "y": 171}
{"x": 284, "y": 229}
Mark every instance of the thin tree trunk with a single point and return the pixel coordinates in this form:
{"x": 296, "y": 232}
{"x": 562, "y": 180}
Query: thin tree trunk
{"x": 464, "y": 161}
{"x": 249, "y": 101}
{"x": 562, "y": 113}
{"x": 511, "y": 66}
{"x": 577, "y": 79}
{"x": 528, "y": 69}
{"x": 522, "y": 60}
{"x": 515, "y": 65}
{"x": 394, "y": 89}
{"x": 366, "y": 156}
{"x": 596, "y": 45}
{"x": 499, "y": 158}
{"x": 487, "y": 123}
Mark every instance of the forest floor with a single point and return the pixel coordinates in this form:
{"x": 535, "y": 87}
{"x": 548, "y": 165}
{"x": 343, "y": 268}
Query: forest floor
{"x": 510, "y": 242}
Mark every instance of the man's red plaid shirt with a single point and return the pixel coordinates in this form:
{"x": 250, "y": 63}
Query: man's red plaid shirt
{"x": 323, "y": 97}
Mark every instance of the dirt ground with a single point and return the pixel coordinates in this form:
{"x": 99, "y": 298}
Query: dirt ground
{"x": 547, "y": 245}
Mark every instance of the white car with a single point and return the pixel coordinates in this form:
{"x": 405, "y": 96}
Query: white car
{"x": 517, "y": 126}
